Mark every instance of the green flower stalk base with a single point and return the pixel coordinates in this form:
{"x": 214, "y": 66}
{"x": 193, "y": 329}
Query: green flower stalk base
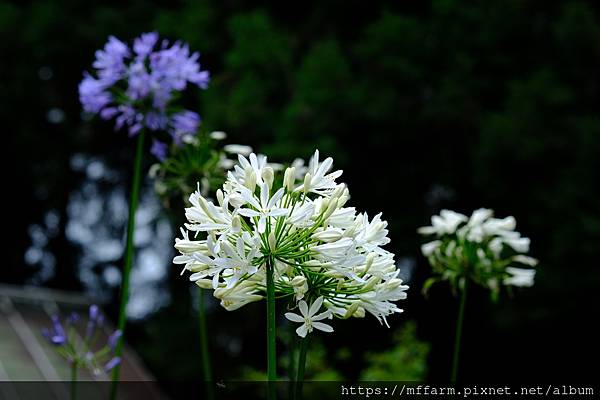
{"x": 301, "y": 366}
{"x": 271, "y": 334}
{"x": 73, "y": 381}
{"x": 129, "y": 250}
{"x": 459, "y": 325}
{"x": 205, "y": 354}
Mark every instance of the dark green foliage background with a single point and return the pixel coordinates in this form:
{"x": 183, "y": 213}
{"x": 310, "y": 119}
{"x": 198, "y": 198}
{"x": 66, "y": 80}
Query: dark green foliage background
{"x": 424, "y": 105}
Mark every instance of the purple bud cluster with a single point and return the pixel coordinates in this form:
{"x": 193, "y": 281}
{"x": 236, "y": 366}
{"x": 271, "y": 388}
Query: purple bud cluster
{"x": 81, "y": 351}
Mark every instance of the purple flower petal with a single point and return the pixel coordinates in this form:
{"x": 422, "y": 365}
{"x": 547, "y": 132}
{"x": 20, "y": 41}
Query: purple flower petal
{"x": 56, "y": 335}
{"x": 113, "y": 339}
{"x": 93, "y": 312}
{"x": 182, "y": 124}
{"x": 113, "y": 362}
{"x": 159, "y": 150}
{"x": 143, "y": 45}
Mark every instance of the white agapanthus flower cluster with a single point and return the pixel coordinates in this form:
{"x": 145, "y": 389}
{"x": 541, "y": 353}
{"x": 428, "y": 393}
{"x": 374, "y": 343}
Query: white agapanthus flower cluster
{"x": 323, "y": 254}
{"x": 481, "y": 248}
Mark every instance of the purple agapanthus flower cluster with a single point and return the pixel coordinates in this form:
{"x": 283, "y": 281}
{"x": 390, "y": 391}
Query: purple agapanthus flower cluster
{"x": 83, "y": 352}
{"x": 137, "y": 86}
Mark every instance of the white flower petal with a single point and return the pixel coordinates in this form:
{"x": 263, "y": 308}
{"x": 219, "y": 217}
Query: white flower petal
{"x": 315, "y": 307}
{"x": 246, "y": 212}
{"x": 302, "y": 331}
{"x": 322, "y": 327}
{"x": 303, "y": 308}
{"x": 294, "y": 317}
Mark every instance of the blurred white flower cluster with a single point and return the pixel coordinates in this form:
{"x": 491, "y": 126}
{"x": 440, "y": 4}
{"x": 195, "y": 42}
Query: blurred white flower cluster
{"x": 324, "y": 254}
{"x": 481, "y": 248}
{"x": 202, "y": 159}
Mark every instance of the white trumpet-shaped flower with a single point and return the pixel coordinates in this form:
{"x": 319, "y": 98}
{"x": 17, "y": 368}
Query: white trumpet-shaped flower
{"x": 309, "y": 318}
{"x": 263, "y": 207}
{"x": 297, "y": 222}
{"x": 482, "y": 248}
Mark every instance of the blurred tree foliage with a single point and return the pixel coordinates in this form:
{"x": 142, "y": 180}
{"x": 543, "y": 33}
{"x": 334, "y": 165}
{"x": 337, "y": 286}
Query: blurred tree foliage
{"x": 406, "y": 360}
{"x": 424, "y": 105}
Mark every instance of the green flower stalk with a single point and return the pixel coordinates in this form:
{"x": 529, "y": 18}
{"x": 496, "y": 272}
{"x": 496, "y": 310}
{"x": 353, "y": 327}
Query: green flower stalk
{"x": 129, "y": 249}
{"x": 480, "y": 249}
{"x": 138, "y": 86}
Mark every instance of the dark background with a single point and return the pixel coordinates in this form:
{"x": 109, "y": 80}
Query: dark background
{"x": 423, "y": 105}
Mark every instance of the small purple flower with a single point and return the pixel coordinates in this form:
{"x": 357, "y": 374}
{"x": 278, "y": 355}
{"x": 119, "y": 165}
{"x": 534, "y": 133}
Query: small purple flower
{"x": 143, "y": 45}
{"x": 156, "y": 121}
{"x": 113, "y": 339}
{"x": 140, "y": 83}
{"x": 95, "y": 319}
{"x": 113, "y": 362}
{"x": 110, "y": 61}
{"x": 137, "y": 87}
{"x": 94, "y": 312}
{"x": 160, "y": 150}
{"x": 182, "y": 124}
{"x": 56, "y": 335}
{"x": 93, "y": 94}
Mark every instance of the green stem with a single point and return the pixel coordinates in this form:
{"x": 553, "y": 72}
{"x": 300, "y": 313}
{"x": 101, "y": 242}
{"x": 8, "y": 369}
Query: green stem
{"x": 129, "y": 248}
{"x": 459, "y": 326}
{"x": 271, "y": 333}
{"x": 292, "y": 362}
{"x": 73, "y": 381}
{"x": 206, "y": 369}
{"x": 301, "y": 366}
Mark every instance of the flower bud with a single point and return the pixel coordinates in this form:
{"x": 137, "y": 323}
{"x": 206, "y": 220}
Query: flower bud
{"x": 298, "y": 280}
{"x": 345, "y": 196}
{"x": 204, "y": 283}
{"x": 351, "y": 310}
{"x": 204, "y": 206}
{"x": 371, "y": 282}
{"x": 328, "y": 235}
{"x": 393, "y": 283}
{"x": 307, "y": 179}
{"x": 220, "y": 197}
{"x": 268, "y": 175}
{"x": 236, "y": 224}
{"x": 272, "y": 242}
{"x": 370, "y": 259}
{"x": 221, "y": 292}
{"x": 288, "y": 178}
{"x": 330, "y": 208}
{"x": 197, "y": 267}
{"x": 322, "y": 205}
{"x": 338, "y": 191}
{"x": 313, "y": 263}
{"x": 250, "y": 179}
{"x": 190, "y": 246}
{"x": 359, "y": 313}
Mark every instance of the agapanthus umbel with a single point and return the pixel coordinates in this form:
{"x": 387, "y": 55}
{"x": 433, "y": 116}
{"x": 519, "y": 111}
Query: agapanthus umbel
{"x": 324, "y": 253}
{"x": 481, "y": 248}
{"x": 84, "y": 352}
{"x": 137, "y": 86}
{"x": 202, "y": 155}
